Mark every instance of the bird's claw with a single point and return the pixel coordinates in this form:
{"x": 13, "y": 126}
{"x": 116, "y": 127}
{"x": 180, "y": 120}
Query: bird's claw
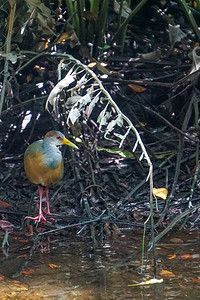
{"x": 38, "y": 218}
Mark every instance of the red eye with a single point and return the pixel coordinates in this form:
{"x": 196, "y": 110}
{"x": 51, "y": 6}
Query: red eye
{"x": 58, "y": 138}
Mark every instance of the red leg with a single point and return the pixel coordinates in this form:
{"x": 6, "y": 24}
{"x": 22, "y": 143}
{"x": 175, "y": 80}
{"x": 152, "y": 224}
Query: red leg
{"x": 40, "y": 215}
{"x": 47, "y": 199}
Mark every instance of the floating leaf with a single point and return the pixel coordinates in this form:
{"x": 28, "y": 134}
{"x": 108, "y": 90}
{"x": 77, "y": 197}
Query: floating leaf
{"x": 151, "y": 281}
{"x": 27, "y": 272}
{"x": 161, "y": 193}
{"x": 171, "y": 256}
{"x": 186, "y": 256}
{"x": 196, "y": 280}
{"x": 167, "y": 274}
{"x": 176, "y": 241}
{"x": 52, "y": 266}
{"x": 20, "y": 287}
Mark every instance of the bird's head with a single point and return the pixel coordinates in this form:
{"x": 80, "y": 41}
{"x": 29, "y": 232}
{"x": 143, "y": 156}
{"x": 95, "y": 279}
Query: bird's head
{"x": 57, "y": 138}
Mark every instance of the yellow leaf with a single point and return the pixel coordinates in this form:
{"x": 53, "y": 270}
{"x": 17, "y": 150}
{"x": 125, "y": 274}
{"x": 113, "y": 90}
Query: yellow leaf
{"x": 151, "y": 281}
{"x": 161, "y": 193}
{"x": 64, "y": 37}
{"x": 52, "y": 266}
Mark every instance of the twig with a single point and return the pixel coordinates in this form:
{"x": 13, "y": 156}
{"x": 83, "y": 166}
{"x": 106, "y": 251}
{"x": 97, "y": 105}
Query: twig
{"x": 8, "y": 48}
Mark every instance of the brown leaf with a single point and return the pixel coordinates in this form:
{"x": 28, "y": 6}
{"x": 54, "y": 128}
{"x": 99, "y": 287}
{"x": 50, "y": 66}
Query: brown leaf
{"x": 167, "y": 274}
{"x": 64, "y": 37}
{"x": 197, "y": 280}
{"x": 4, "y": 204}
{"x": 176, "y": 241}
{"x": 90, "y": 17}
{"x": 137, "y": 88}
{"x": 23, "y": 255}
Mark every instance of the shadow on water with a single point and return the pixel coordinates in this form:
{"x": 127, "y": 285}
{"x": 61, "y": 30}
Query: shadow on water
{"x": 70, "y": 269}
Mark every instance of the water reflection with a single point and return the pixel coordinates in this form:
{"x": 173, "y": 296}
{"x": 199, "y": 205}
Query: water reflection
{"x": 76, "y": 271}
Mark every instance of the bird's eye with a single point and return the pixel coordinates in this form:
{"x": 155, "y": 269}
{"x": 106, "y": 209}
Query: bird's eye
{"x": 58, "y": 138}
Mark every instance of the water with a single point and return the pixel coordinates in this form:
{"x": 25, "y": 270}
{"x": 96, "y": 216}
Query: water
{"x": 67, "y": 267}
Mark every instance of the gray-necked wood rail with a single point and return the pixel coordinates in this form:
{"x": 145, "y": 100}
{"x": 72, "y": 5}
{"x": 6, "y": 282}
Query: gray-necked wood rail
{"x": 43, "y": 164}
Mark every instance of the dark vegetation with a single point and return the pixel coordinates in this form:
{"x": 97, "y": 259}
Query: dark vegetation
{"x": 151, "y": 71}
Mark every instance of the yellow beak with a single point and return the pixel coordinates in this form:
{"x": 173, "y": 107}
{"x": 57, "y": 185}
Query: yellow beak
{"x": 67, "y": 142}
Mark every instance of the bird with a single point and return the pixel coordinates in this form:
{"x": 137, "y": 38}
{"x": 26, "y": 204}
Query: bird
{"x": 43, "y": 165}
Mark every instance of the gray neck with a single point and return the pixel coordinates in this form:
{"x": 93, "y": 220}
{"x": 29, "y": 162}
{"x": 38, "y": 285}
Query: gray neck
{"x": 52, "y": 155}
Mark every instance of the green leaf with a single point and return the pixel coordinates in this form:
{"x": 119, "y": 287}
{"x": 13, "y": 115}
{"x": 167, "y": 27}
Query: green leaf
{"x": 121, "y": 152}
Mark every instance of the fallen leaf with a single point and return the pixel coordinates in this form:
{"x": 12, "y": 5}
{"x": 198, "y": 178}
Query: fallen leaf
{"x": 64, "y": 37}
{"x": 92, "y": 65}
{"x": 176, "y": 241}
{"x": 52, "y": 266}
{"x": 196, "y": 280}
{"x": 4, "y": 204}
{"x": 23, "y": 255}
{"x": 27, "y": 272}
{"x": 21, "y": 287}
{"x": 167, "y": 274}
{"x": 186, "y": 256}
{"x": 171, "y": 256}
{"x": 137, "y": 88}
{"x": 5, "y": 224}
{"x": 1, "y": 278}
{"x": 151, "y": 281}
{"x": 161, "y": 193}
{"x": 23, "y": 241}
{"x": 90, "y": 17}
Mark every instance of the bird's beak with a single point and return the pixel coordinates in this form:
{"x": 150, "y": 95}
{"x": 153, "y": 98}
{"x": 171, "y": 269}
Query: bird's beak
{"x": 67, "y": 142}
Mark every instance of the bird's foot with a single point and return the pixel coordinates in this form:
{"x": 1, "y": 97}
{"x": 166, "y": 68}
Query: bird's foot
{"x": 38, "y": 218}
{"x": 47, "y": 211}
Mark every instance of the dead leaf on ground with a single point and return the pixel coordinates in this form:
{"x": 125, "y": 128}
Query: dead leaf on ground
{"x": 161, "y": 193}
{"x": 176, "y": 241}
{"x": 137, "y": 88}
{"x": 4, "y": 204}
